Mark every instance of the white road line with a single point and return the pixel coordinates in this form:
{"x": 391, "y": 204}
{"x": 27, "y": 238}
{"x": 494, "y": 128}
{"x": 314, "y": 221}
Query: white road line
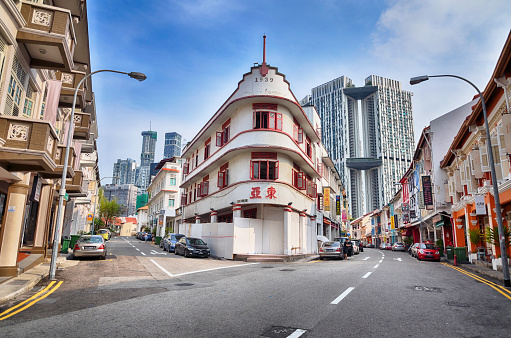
{"x": 376, "y": 266}
{"x": 365, "y": 259}
{"x": 381, "y": 260}
{"x": 162, "y": 268}
{"x": 344, "y": 294}
{"x": 137, "y": 249}
{"x": 222, "y": 267}
{"x": 367, "y": 275}
{"x": 297, "y": 333}
{"x": 143, "y": 253}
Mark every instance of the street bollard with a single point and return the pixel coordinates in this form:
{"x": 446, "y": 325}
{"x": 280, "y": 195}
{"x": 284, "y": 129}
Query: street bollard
{"x": 455, "y": 262}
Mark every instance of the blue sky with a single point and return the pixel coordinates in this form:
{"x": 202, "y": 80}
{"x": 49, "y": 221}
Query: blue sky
{"x": 194, "y": 53}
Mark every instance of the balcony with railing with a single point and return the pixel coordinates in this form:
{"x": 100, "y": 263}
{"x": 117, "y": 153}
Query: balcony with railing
{"x": 27, "y": 145}
{"x": 82, "y": 123}
{"x": 70, "y": 81}
{"x": 48, "y": 36}
{"x": 59, "y": 161}
{"x": 74, "y": 184}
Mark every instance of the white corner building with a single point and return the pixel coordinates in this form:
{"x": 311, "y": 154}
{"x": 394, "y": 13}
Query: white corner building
{"x": 252, "y": 175}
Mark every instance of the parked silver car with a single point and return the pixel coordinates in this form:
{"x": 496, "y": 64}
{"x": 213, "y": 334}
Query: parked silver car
{"x": 331, "y": 249}
{"x": 398, "y": 247}
{"x": 413, "y": 249}
{"x": 90, "y": 246}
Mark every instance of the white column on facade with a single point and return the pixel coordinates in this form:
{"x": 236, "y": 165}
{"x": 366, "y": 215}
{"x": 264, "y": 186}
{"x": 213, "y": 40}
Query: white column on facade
{"x": 236, "y": 210}
{"x": 287, "y": 221}
{"x": 197, "y": 219}
{"x": 13, "y": 223}
{"x": 303, "y": 231}
{"x": 45, "y": 201}
{"x": 214, "y": 216}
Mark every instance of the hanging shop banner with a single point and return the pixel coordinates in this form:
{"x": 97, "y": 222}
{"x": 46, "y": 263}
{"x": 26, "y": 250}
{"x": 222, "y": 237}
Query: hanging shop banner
{"x": 506, "y": 129}
{"x": 420, "y": 199}
{"x": 428, "y": 191}
{"x": 326, "y": 199}
{"x": 338, "y": 205}
{"x": 344, "y": 215}
{"x": 392, "y": 223}
{"x": 480, "y": 207}
{"x": 406, "y": 196}
{"x": 391, "y": 209}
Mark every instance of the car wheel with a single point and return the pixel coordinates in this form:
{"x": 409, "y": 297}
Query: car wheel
{"x": 186, "y": 253}
{"x": 418, "y": 258}
{"x": 321, "y": 258}
{"x": 175, "y": 253}
{"x": 102, "y": 257}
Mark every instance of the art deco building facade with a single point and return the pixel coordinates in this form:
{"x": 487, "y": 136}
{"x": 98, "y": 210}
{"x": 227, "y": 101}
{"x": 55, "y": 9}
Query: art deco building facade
{"x": 256, "y": 180}
{"x": 368, "y": 132}
{"x": 44, "y": 53}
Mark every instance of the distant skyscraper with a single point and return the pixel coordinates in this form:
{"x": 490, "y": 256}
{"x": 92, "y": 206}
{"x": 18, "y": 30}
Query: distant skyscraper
{"x": 172, "y": 145}
{"x": 146, "y": 158}
{"x": 148, "y": 146}
{"x": 368, "y": 132}
{"x": 126, "y": 170}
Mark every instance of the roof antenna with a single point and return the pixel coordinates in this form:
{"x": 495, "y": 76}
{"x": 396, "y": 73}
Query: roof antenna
{"x": 264, "y": 67}
{"x": 150, "y": 126}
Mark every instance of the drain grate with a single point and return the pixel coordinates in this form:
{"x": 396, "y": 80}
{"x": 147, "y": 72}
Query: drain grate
{"x": 458, "y": 304}
{"x": 266, "y": 267}
{"x": 281, "y": 331}
{"x": 427, "y": 289}
{"x": 287, "y": 270}
{"x": 184, "y": 284}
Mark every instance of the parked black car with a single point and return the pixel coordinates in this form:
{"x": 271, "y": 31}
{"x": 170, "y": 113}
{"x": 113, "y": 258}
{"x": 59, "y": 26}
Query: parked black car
{"x": 191, "y": 246}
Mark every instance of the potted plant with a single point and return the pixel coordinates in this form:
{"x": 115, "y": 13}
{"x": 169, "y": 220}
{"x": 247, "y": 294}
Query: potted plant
{"x": 492, "y": 236}
{"x": 475, "y": 238}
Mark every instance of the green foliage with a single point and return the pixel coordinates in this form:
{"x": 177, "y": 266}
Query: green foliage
{"x": 439, "y": 243}
{"x": 98, "y": 224}
{"x": 109, "y": 209}
{"x": 492, "y": 236}
{"x": 408, "y": 240}
{"x": 475, "y": 236}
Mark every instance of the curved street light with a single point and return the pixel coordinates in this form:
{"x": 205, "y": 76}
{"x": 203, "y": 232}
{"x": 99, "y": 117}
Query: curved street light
{"x": 498, "y": 211}
{"x": 56, "y": 237}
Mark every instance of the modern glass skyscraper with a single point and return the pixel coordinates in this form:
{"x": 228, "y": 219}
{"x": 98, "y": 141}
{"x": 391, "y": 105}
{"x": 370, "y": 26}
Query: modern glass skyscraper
{"x": 368, "y": 132}
{"x": 126, "y": 170}
{"x": 148, "y": 146}
{"x": 172, "y": 145}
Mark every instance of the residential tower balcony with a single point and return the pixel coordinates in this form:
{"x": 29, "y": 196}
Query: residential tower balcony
{"x": 59, "y": 161}
{"x": 49, "y": 36}
{"x": 82, "y": 123}
{"x": 27, "y": 144}
{"x": 74, "y": 184}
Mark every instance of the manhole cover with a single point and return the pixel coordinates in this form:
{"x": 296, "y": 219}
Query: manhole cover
{"x": 457, "y": 304}
{"x": 287, "y": 270}
{"x": 281, "y": 331}
{"x": 427, "y": 289}
{"x": 184, "y": 284}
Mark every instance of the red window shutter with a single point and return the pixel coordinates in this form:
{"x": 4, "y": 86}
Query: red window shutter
{"x": 225, "y": 136}
{"x": 300, "y": 180}
{"x": 271, "y": 123}
{"x": 205, "y": 178}
{"x": 226, "y": 123}
{"x": 220, "y": 179}
{"x": 251, "y": 170}
{"x": 295, "y": 132}
{"x": 279, "y": 121}
{"x": 309, "y": 188}
{"x": 219, "y": 139}
{"x": 314, "y": 190}
{"x": 185, "y": 168}
{"x": 205, "y": 188}
{"x": 254, "y": 121}
{"x": 276, "y": 172}
{"x": 300, "y": 135}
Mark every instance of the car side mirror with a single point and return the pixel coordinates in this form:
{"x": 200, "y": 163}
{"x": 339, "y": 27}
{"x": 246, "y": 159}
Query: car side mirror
{"x": 205, "y": 243}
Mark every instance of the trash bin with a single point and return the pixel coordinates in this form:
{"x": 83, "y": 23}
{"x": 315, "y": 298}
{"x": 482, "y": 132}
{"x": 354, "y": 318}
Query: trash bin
{"x": 157, "y": 240}
{"x": 461, "y": 254}
{"x": 74, "y": 239}
{"x": 449, "y": 252}
{"x": 65, "y": 245}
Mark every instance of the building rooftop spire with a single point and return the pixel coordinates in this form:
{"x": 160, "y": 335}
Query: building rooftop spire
{"x": 264, "y": 67}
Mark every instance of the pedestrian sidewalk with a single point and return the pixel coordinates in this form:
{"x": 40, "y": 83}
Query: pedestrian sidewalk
{"x": 488, "y": 272}
{"x": 12, "y": 287}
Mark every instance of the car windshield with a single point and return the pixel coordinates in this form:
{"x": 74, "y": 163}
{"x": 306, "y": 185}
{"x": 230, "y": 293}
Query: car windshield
{"x": 93, "y": 239}
{"x": 399, "y": 244}
{"x": 331, "y": 244}
{"x": 427, "y": 246}
{"x": 196, "y": 241}
{"x": 177, "y": 237}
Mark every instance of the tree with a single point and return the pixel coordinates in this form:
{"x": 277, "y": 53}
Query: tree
{"x": 109, "y": 209}
{"x": 492, "y": 236}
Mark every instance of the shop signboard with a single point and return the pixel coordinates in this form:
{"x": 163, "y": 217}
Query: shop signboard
{"x": 326, "y": 199}
{"x": 480, "y": 207}
{"x": 427, "y": 189}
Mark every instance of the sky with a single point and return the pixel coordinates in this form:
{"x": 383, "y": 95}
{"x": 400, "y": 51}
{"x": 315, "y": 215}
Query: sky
{"x": 195, "y": 52}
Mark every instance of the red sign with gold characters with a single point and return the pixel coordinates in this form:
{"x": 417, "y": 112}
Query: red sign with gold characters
{"x": 271, "y": 193}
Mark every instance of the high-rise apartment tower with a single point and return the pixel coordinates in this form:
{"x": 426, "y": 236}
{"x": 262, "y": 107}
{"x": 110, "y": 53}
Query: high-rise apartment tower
{"x": 172, "y": 145}
{"x": 368, "y": 132}
{"x": 126, "y": 170}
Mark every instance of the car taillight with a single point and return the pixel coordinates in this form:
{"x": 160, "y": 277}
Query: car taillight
{"x": 102, "y": 247}
{"x": 76, "y": 247}
{"x": 338, "y": 249}
{"x": 320, "y": 249}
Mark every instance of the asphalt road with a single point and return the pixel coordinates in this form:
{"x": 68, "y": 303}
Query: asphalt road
{"x": 138, "y": 291}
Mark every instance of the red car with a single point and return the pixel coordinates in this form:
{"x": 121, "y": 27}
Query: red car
{"x": 428, "y": 251}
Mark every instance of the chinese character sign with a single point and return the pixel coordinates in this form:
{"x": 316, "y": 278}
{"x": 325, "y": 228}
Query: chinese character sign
{"x": 271, "y": 193}
{"x": 337, "y": 205}
{"x": 428, "y": 191}
{"x": 256, "y": 193}
{"x": 326, "y": 199}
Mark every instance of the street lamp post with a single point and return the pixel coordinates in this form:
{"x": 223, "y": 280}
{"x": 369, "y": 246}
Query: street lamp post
{"x": 498, "y": 211}
{"x": 95, "y": 201}
{"x": 62, "y": 193}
